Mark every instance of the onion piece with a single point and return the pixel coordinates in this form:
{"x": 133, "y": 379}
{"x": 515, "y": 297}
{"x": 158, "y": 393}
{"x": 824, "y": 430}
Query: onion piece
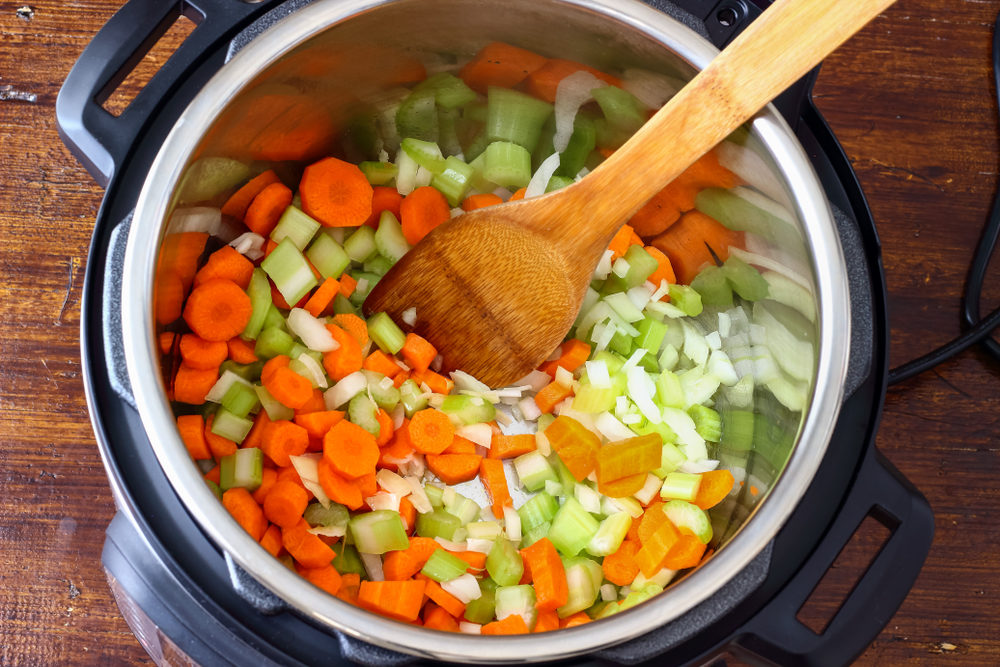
{"x": 540, "y": 179}
{"x": 611, "y": 428}
{"x": 512, "y": 523}
{"x": 465, "y": 588}
{"x": 313, "y": 333}
{"x": 641, "y": 390}
{"x": 348, "y": 387}
{"x": 373, "y": 566}
{"x": 317, "y": 376}
{"x": 222, "y": 385}
{"x": 536, "y": 380}
{"x": 597, "y": 373}
{"x": 697, "y": 467}
{"x": 418, "y": 497}
{"x": 392, "y": 483}
{"x": 329, "y": 531}
{"x": 481, "y": 434}
{"x": 383, "y": 500}
{"x": 409, "y": 316}
{"x": 604, "y": 266}
{"x": 249, "y": 245}
{"x": 307, "y": 466}
{"x": 196, "y": 219}
{"x": 651, "y": 88}
{"x": 529, "y": 409}
{"x": 572, "y": 92}
{"x": 479, "y": 546}
{"x": 470, "y": 628}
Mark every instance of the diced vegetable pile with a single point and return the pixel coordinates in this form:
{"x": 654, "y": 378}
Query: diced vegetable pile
{"x": 335, "y": 442}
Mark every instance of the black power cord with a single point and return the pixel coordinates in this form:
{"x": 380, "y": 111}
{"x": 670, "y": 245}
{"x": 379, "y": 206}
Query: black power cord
{"x": 981, "y": 329}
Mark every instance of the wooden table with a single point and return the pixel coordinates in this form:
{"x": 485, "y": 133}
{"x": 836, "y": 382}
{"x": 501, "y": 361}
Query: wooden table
{"x": 911, "y": 100}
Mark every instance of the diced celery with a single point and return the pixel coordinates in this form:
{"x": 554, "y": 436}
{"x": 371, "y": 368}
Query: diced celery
{"x": 635, "y": 597}
{"x": 621, "y": 343}
{"x": 208, "y": 177}
{"x": 464, "y": 409}
{"x": 622, "y": 110}
{"x": 377, "y": 264}
{"x": 336, "y": 515}
{"x": 272, "y": 341}
{"x": 737, "y": 429}
{"x": 454, "y": 180}
{"x": 342, "y": 305}
{"x": 623, "y": 305}
{"x": 482, "y": 609}
{"x": 691, "y": 517}
{"x": 214, "y": 488}
{"x": 443, "y": 566}
{"x": 362, "y": 411}
{"x": 240, "y": 399}
{"x": 347, "y": 560}
{"x": 532, "y": 469}
{"x": 535, "y": 534}
{"x": 243, "y": 468}
{"x": 417, "y": 117}
{"x": 434, "y": 495}
{"x": 651, "y": 334}
{"x": 366, "y": 281}
{"x": 641, "y": 265}
{"x": 249, "y": 372}
{"x": 566, "y": 480}
{"x": 412, "y": 397}
{"x": 382, "y": 390}
{"x": 288, "y": 268}
{"x": 537, "y": 510}
{"x": 464, "y": 508}
{"x": 581, "y": 143}
{"x": 389, "y": 239}
{"x": 360, "y": 245}
{"x": 378, "y": 532}
{"x": 297, "y": 226}
{"x": 427, "y": 154}
{"x": 609, "y": 535}
{"x": 450, "y": 92}
{"x": 231, "y": 426}
{"x": 438, "y": 523}
{"x": 744, "y": 210}
{"x": 572, "y": 528}
{"x": 680, "y": 486}
{"x": 507, "y": 164}
{"x": 504, "y": 564}
{"x": 670, "y": 458}
{"x": 669, "y": 391}
{"x": 714, "y": 288}
{"x": 707, "y": 422}
{"x": 515, "y": 117}
{"x": 583, "y": 589}
{"x": 327, "y": 256}
{"x": 557, "y": 182}
{"x": 275, "y": 319}
{"x": 384, "y": 332}
{"x": 378, "y": 173}
{"x": 514, "y": 600}
{"x": 686, "y": 299}
{"x": 260, "y": 301}
{"x": 745, "y": 279}
{"x": 613, "y": 361}
{"x": 595, "y": 400}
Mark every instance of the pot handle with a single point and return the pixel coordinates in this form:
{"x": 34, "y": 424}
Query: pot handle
{"x": 881, "y": 492}
{"x": 98, "y": 139}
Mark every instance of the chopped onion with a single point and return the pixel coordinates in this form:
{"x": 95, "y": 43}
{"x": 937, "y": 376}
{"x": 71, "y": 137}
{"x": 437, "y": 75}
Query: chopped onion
{"x": 465, "y": 588}
{"x": 696, "y": 467}
{"x": 588, "y": 497}
{"x": 307, "y": 466}
{"x": 512, "y": 523}
{"x": 452, "y": 545}
{"x": 659, "y": 292}
{"x": 604, "y": 265}
{"x": 620, "y": 267}
{"x": 409, "y": 316}
{"x": 414, "y": 465}
{"x": 529, "y": 409}
{"x": 470, "y": 628}
{"x": 329, "y": 531}
{"x": 481, "y": 434}
{"x": 398, "y": 415}
{"x": 564, "y": 377}
{"x": 503, "y": 193}
{"x": 423, "y": 178}
{"x": 373, "y": 566}
{"x": 384, "y": 501}
{"x": 249, "y": 245}
{"x": 641, "y": 389}
{"x": 222, "y": 385}
{"x": 640, "y": 295}
{"x": 632, "y": 419}
{"x": 651, "y": 88}
{"x": 572, "y": 92}
{"x": 649, "y": 489}
{"x": 392, "y": 483}
{"x": 480, "y": 546}
{"x": 317, "y": 377}
{"x": 540, "y": 180}
{"x": 418, "y": 497}
{"x": 536, "y": 380}
{"x": 362, "y": 285}
{"x": 457, "y": 211}
{"x": 751, "y": 168}
{"x": 714, "y": 340}
{"x": 634, "y": 360}
{"x": 612, "y": 429}
{"x": 542, "y": 444}
{"x": 725, "y": 324}
{"x": 196, "y": 219}
{"x": 313, "y": 333}
{"x": 609, "y": 592}
{"x": 348, "y": 387}
{"x": 465, "y": 382}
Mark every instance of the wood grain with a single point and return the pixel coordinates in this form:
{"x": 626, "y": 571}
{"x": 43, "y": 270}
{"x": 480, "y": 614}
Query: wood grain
{"x": 910, "y": 98}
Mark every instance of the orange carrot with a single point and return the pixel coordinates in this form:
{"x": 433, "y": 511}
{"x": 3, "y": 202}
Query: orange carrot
{"x": 165, "y": 341}
{"x": 240, "y": 351}
{"x": 353, "y": 325}
{"x": 576, "y": 445}
{"x": 579, "y": 618}
{"x": 180, "y": 254}
{"x": 511, "y": 625}
{"x": 267, "y": 208}
{"x": 318, "y": 423}
{"x": 408, "y": 513}
{"x": 715, "y": 485}
{"x": 687, "y": 244}
{"x": 256, "y": 433}
{"x": 398, "y": 449}
{"x": 315, "y": 403}
{"x": 380, "y": 362}
{"x": 551, "y": 395}
{"x": 492, "y": 474}
{"x": 511, "y": 446}
{"x": 403, "y": 564}
{"x": 620, "y": 567}
{"x": 475, "y": 559}
{"x": 685, "y": 553}
{"x": 288, "y": 387}
{"x": 628, "y": 457}
{"x": 241, "y": 505}
{"x": 436, "y": 618}
{"x": 472, "y": 202}
{"x": 347, "y": 285}
{"x": 421, "y": 211}
{"x": 385, "y": 427}
{"x": 217, "y": 309}
{"x": 383, "y": 199}
{"x": 548, "y": 575}
{"x": 547, "y": 622}
{"x": 191, "y": 385}
{"x": 430, "y": 431}
{"x": 655, "y": 548}
{"x": 657, "y": 214}
{"x": 351, "y": 450}
{"x": 218, "y": 445}
{"x": 323, "y": 296}
{"x": 454, "y": 468}
{"x": 437, "y": 383}
{"x": 338, "y": 488}
{"x": 168, "y": 297}
{"x": 325, "y": 577}
{"x": 283, "y": 438}
{"x": 417, "y": 352}
{"x": 285, "y": 503}
{"x": 192, "y": 430}
{"x": 215, "y": 474}
{"x": 399, "y": 378}
{"x": 461, "y": 445}
{"x": 444, "y": 599}
{"x": 336, "y": 193}
{"x": 664, "y": 270}
{"x": 623, "y": 238}
{"x": 544, "y": 81}
{"x": 272, "y": 365}
{"x": 650, "y": 521}
{"x": 623, "y": 486}
{"x": 500, "y": 64}
{"x": 400, "y": 600}
{"x": 271, "y": 540}
{"x": 573, "y": 353}
{"x": 290, "y": 474}
{"x": 346, "y": 359}
{"x": 238, "y": 203}
{"x": 307, "y": 549}
{"x": 226, "y": 263}
{"x": 518, "y": 194}
{"x": 268, "y": 478}
{"x": 349, "y": 585}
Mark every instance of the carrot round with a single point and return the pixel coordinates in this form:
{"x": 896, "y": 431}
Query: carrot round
{"x": 191, "y": 385}
{"x": 288, "y": 387}
{"x": 268, "y": 478}
{"x": 241, "y": 351}
{"x": 500, "y": 64}
{"x": 408, "y": 513}
{"x": 228, "y": 263}
{"x": 384, "y": 199}
{"x": 380, "y": 362}
{"x": 688, "y": 240}
{"x": 620, "y": 567}
{"x": 285, "y": 503}
{"x": 282, "y": 439}
{"x": 353, "y": 325}
{"x": 685, "y": 553}
{"x": 203, "y": 354}
{"x": 338, "y": 488}
{"x": 664, "y": 270}
{"x": 579, "y": 618}
{"x": 346, "y": 359}
{"x": 511, "y": 446}
{"x": 472, "y": 202}
{"x": 715, "y": 485}
{"x": 350, "y": 449}
{"x": 217, "y": 310}
{"x": 417, "y": 352}
{"x": 437, "y": 618}
{"x": 454, "y": 468}
{"x": 547, "y": 622}
{"x": 272, "y": 365}
{"x": 572, "y": 354}
{"x": 511, "y": 625}
{"x": 385, "y": 427}
{"x": 241, "y": 505}
{"x": 192, "y": 430}
{"x": 272, "y": 540}
{"x": 421, "y": 211}
{"x": 256, "y": 433}
{"x": 267, "y": 208}
{"x": 237, "y": 204}
{"x": 307, "y": 549}
{"x": 430, "y": 431}
{"x": 336, "y": 193}
{"x": 403, "y": 564}
{"x": 461, "y": 445}
{"x": 318, "y": 423}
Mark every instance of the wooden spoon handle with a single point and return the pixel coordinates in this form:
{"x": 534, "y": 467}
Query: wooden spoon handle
{"x": 778, "y": 48}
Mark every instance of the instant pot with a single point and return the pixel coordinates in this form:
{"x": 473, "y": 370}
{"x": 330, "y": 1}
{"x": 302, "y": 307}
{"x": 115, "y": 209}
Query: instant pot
{"x": 196, "y": 590}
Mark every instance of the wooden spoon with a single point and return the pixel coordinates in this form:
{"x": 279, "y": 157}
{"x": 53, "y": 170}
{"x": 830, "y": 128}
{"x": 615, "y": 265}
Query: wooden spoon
{"x": 497, "y": 289}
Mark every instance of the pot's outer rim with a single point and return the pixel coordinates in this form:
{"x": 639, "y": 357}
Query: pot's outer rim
{"x": 757, "y": 531}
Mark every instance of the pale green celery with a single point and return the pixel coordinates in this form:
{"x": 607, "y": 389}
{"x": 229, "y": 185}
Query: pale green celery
{"x": 583, "y": 589}
{"x": 417, "y": 116}
{"x": 641, "y": 595}
{"x": 366, "y": 281}
{"x": 464, "y": 409}
{"x": 464, "y": 508}
{"x": 693, "y": 518}
{"x": 504, "y": 564}
{"x": 378, "y": 532}
{"x": 714, "y": 288}
{"x": 347, "y": 560}
{"x": 213, "y": 487}
{"x": 378, "y": 173}
{"x": 272, "y": 341}
{"x": 259, "y": 291}
{"x": 537, "y": 510}
{"x": 507, "y": 164}
{"x": 288, "y": 268}
{"x": 533, "y": 469}
{"x": 707, "y": 422}
{"x": 737, "y": 429}
{"x": 680, "y": 486}
{"x": 538, "y": 532}
{"x": 412, "y": 398}
{"x": 438, "y": 523}
{"x": 360, "y": 245}
{"x": 745, "y": 279}
{"x": 623, "y": 305}
{"x": 377, "y": 264}
{"x": 651, "y": 334}
{"x": 274, "y": 318}
{"x": 514, "y": 600}
{"x": 231, "y": 426}
{"x": 209, "y": 177}
{"x": 566, "y": 479}
{"x": 454, "y": 181}
{"x": 363, "y": 411}
{"x": 243, "y": 468}
{"x": 687, "y": 299}
{"x": 434, "y": 495}
{"x": 484, "y": 530}
{"x": 427, "y": 154}
{"x": 450, "y": 92}
{"x": 572, "y": 528}
{"x": 669, "y": 392}
{"x": 389, "y": 239}
{"x": 275, "y": 410}
{"x": 382, "y": 390}
{"x": 609, "y": 535}
{"x": 297, "y": 226}
{"x": 641, "y": 265}
{"x": 670, "y": 458}
{"x": 384, "y": 332}
{"x": 483, "y": 609}
{"x": 240, "y": 399}
{"x": 623, "y": 111}
{"x": 515, "y": 117}
{"x": 334, "y": 516}
{"x": 443, "y": 566}
{"x": 595, "y": 400}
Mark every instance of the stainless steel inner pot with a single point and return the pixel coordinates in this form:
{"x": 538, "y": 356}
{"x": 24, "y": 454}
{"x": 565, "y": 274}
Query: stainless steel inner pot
{"x": 335, "y": 52}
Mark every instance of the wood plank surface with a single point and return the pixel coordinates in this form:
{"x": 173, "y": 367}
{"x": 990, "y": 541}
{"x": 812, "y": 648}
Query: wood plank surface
{"x": 911, "y": 99}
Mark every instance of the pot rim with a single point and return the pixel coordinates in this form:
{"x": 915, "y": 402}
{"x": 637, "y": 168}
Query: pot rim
{"x": 158, "y": 420}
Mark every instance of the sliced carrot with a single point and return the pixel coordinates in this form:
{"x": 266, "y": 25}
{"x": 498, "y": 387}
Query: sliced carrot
{"x": 180, "y": 255}
{"x": 218, "y": 445}
{"x": 215, "y": 474}
{"x": 576, "y": 445}
{"x": 217, "y": 309}
{"x": 436, "y": 382}
{"x": 518, "y": 194}
{"x": 430, "y": 431}
{"x": 620, "y": 567}
{"x": 273, "y": 364}
{"x": 385, "y": 427}
{"x": 226, "y": 263}
{"x": 384, "y": 198}
{"x": 685, "y": 553}
{"x": 623, "y": 238}
{"x": 461, "y": 445}
{"x": 267, "y": 208}
{"x": 573, "y": 353}
{"x": 421, "y": 211}
{"x": 323, "y": 296}
{"x": 714, "y": 487}
{"x": 268, "y": 478}
{"x": 283, "y": 438}
{"x": 511, "y": 446}
{"x": 472, "y": 202}
{"x": 191, "y": 385}
{"x": 306, "y": 548}
{"x": 444, "y": 599}
{"x": 437, "y": 618}
{"x": 347, "y": 285}
{"x": 399, "y": 378}
{"x": 346, "y": 359}
{"x": 417, "y": 352}
{"x": 547, "y": 622}
{"x": 168, "y": 297}
{"x": 655, "y": 548}
{"x": 349, "y": 585}
{"x": 380, "y": 362}
{"x": 256, "y": 433}
{"x": 285, "y": 503}
{"x": 650, "y": 521}
{"x": 408, "y": 513}
{"x": 315, "y": 403}
{"x": 551, "y": 395}
{"x": 511, "y": 625}
{"x": 318, "y": 423}
{"x": 403, "y": 564}
{"x": 454, "y": 468}
{"x": 271, "y": 540}
{"x": 500, "y": 64}
{"x": 491, "y": 472}
{"x": 398, "y": 449}
{"x": 165, "y": 341}
{"x": 632, "y": 456}
{"x": 475, "y": 559}
{"x": 241, "y": 505}
{"x": 288, "y": 387}
{"x": 241, "y": 351}
{"x": 548, "y": 575}
{"x": 238, "y": 203}
{"x": 687, "y": 244}
{"x": 664, "y": 270}
{"x": 325, "y": 577}
{"x": 623, "y": 486}
{"x": 351, "y": 450}
{"x": 338, "y": 488}
{"x": 353, "y": 325}
{"x": 400, "y": 600}
{"x": 336, "y": 193}
{"x": 544, "y": 81}
{"x": 192, "y": 430}
{"x": 579, "y": 618}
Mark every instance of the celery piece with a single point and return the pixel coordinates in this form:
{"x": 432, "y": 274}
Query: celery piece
{"x": 290, "y": 271}
{"x": 737, "y": 429}
{"x": 327, "y": 256}
{"x": 669, "y": 392}
{"x": 362, "y": 411}
{"x": 686, "y": 299}
{"x": 745, "y": 210}
{"x": 514, "y": 600}
{"x": 609, "y": 535}
{"x": 707, "y": 422}
{"x": 274, "y": 409}
{"x": 208, "y": 177}
{"x": 389, "y": 239}
{"x": 671, "y": 457}
{"x": 613, "y": 361}
{"x": 360, "y": 245}
{"x": 537, "y": 510}
{"x": 595, "y": 400}
{"x": 641, "y": 265}
{"x": 607, "y": 136}
{"x": 450, "y": 92}
{"x": 572, "y": 528}
{"x": 621, "y": 343}
{"x": 438, "y": 523}
{"x": 472, "y": 138}
{"x": 427, "y": 154}
{"x": 240, "y": 399}
{"x": 448, "y": 131}
{"x": 378, "y": 532}
{"x": 479, "y": 181}
{"x": 714, "y": 288}
{"x": 622, "y": 110}
{"x": 507, "y": 164}
{"x": 482, "y": 609}
{"x": 366, "y": 281}
{"x": 544, "y": 148}
{"x": 463, "y": 409}
{"x": 434, "y": 495}
{"x": 464, "y": 508}
{"x": 260, "y": 301}
{"x": 382, "y": 390}
{"x": 484, "y": 530}
{"x": 680, "y": 486}
{"x": 249, "y": 372}
{"x": 377, "y": 264}
{"x": 342, "y": 305}
{"x": 214, "y": 488}
{"x": 515, "y": 117}
{"x": 272, "y": 341}
{"x": 443, "y": 566}
{"x": 378, "y": 173}
{"x": 275, "y": 319}
{"x": 532, "y": 469}
{"x": 661, "y": 429}
{"x": 635, "y": 597}
{"x": 538, "y": 532}
{"x": 336, "y": 515}
{"x": 621, "y": 304}
{"x": 454, "y": 180}
{"x": 230, "y": 426}
{"x": 583, "y": 140}
{"x": 412, "y": 397}
{"x": 651, "y": 335}
{"x": 417, "y": 117}
{"x": 745, "y": 279}
{"x": 566, "y": 479}
{"x": 691, "y": 517}
{"x": 583, "y": 591}
{"x": 243, "y": 468}
{"x": 557, "y": 182}
{"x": 347, "y": 560}
{"x": 384, "y": 332}
{"x": 504, "y": 563}
{"x": 297, "y": 226}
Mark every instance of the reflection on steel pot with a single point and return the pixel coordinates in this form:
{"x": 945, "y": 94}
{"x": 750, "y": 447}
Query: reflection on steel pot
{"x": 292, "y": 93}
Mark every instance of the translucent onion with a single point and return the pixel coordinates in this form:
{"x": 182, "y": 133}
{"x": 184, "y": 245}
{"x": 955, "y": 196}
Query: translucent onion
{"x": 696, "y": 467}
{"x": 307, "y": 466}
{"x": 465, "y": 588}
{"x": 392, "y": 483}
{"x": 572, "y": 92}
{"x": 612, "y": 429}
{"x": 540, "y": 179}
{"x": 512, "y": 523}
{"x": 313, "y": 333}
{"x": 470, "y": 628}
{"x": 409, "y": 316}
{"x": 641, "y": 389}
{"x": 373, "y": 566}
{"x": 536, "y": 380}
{"x": 196, "y": 219}
{"x": 418, "y": 497}
{"x": 348, "y": 387}
{"x": 529, "y": 409}
{"x": 481, "y": 434}
{"x": 317, "y": 376}
{"x": 651, "y": 88}
{"x": 249, "y": 245}
{"x": 604, "y": 266}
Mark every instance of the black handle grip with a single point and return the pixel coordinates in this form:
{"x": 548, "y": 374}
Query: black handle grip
{"x": 880, "y": 491}
{"x": 100, "y": 140}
